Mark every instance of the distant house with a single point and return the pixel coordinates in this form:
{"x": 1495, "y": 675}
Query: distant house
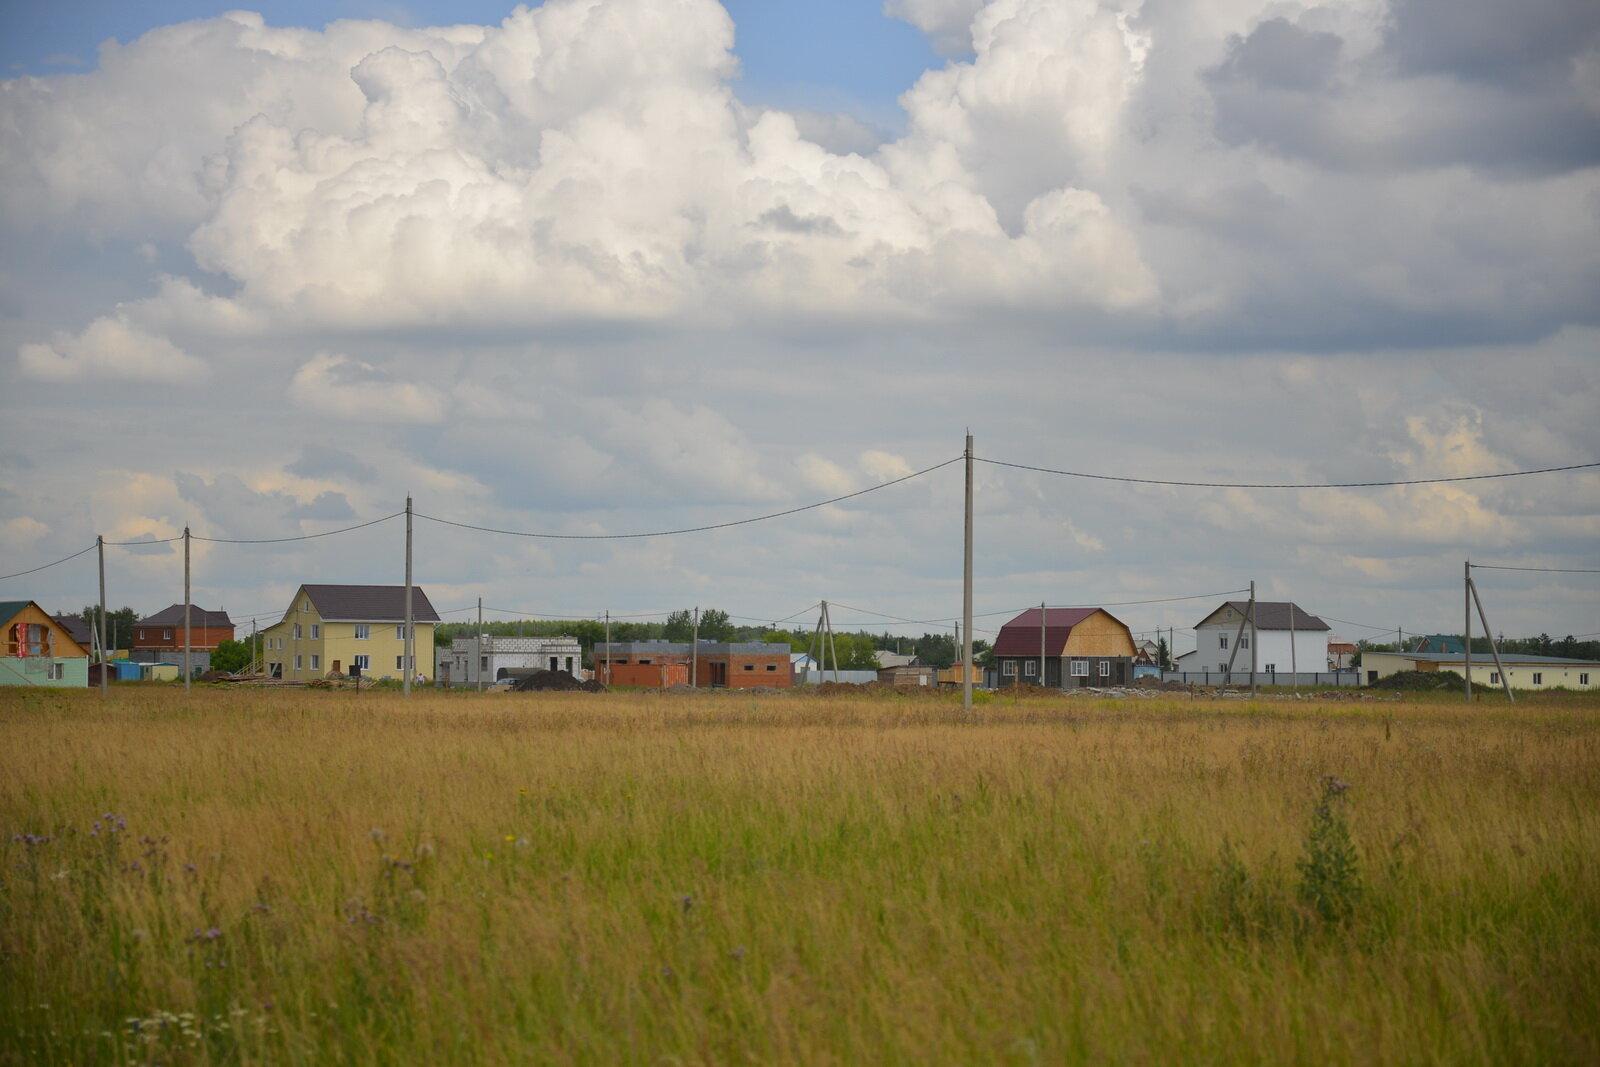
{"x": 1216, "y": 633}
{"x": 1079, "y": 646}
{"x": 499, "y": 657}
{"x": 158, "y": 638}
{"x": 1341, "y": 655}
{"x": 1439, "y": 643}
{"x": 1146, "y": 652}
{"x": 36, "y": 650}
{"x": 892, "y": 659}
{"x": 909, "y": 676}
{"x": 1522, "y": 672}
{"x": 329, "y": 629}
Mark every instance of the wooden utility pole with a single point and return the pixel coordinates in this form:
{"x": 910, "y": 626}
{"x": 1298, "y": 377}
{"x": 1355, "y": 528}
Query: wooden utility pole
{"x": 966, "y": 592}
{"x": 408, "y": 648}
{"x": 1255, "y": 644}
{"x": 1494, "y": 646}
{"x": 100, "y": 543}
{"x": 186, "y": 646}
{"x": 608, "y": 647}
{"x": 694, "y": 650}
{"x": 1466, "y": 644}
{"x": 1294, "y": 666}
{"x": 478, "y": 645}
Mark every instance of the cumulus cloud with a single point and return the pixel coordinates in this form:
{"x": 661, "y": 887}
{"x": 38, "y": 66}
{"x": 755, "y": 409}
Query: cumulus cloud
{"x": 109, "y": 348}
{"x": 345, "y": 388}
{"x": 947, "y": 22}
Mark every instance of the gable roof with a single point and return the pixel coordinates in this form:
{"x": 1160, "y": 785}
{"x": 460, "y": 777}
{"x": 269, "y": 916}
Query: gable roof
{"x": 10, "y": 609}
{"x": 1020, "y": 636}
{"x": 77, "y": 626}
{"x": 173, "y": 616}
{"x": 1272, "y": 615}
{"x": 1439, "y": 643}
{"x": 369, "y": 603}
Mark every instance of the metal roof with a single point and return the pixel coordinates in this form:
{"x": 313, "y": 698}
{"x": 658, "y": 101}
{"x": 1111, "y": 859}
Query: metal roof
{"x": 1488, "y": 657}
{"x": 1020, "y": 636}
{"x": 173, "y": 616}
{"x": 369, "y": 603}
{"x": 1273, "y": 615}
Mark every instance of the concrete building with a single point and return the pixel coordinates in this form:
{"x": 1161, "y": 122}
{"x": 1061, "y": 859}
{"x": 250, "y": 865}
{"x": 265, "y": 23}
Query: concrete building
{"x": 716, "y": 664}
{"x": 1080, "y": 647}
{"x": 330, "y": 628}
{"x": 464, "y": 661}
{"x": 1522, "y": 672}
{"x": 1275, "y": 621}
{"x": 37, "y": 651}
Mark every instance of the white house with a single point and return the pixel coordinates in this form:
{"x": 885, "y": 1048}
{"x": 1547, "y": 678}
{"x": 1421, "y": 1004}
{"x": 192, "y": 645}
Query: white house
{"x": 1275, "y": 621}
{"x": 461, "y": 663}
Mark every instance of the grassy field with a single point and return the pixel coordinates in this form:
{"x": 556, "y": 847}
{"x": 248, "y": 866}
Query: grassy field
{"x": 301, "y": 877}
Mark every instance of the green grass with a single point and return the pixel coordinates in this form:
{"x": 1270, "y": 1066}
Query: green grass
{"x": 325, "y": 877}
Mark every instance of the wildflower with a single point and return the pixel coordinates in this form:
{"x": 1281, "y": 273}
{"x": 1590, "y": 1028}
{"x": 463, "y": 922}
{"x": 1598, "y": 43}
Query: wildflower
{"x": 509, "y": 838}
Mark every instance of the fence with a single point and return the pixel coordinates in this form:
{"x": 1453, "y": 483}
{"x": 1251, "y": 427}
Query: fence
{"x": 1242, "y": 678}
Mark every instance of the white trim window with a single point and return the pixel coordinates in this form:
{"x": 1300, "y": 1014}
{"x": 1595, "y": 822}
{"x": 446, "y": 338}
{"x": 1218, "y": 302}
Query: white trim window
{"x": 1538, "y": 678}
{"x": 297, "y": 631}
{"x": 400, "y": 632}
{"x": 56, "y": 672}
{"x": 1105, "y": 668}
{"x": 1271, "y": 668}
{"x": 361, "y": 660}
{"x": 1224, "y": 639}
{"x": 1080, "y": 668}
{"x": 316, "y": 631}
{"x": 316, "y": 662}
{"x": 1583, "y": 679}
{"x": 298, "y": 662}
{"x": 1008, "y": 668}
{"x": 166, "y": 635}
{"x": 400, "y": 662}
{"x": 363, "y": 631}
{"x": 1030, "y": 668}
{"x": 1494, "y": 677}
{"x": 1244, "y": 642}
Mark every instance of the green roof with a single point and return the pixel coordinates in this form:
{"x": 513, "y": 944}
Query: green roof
{"x": 9, "y": 609}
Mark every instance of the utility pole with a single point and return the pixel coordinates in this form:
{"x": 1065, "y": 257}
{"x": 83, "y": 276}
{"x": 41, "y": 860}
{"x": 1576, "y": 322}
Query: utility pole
{"x": 1255, "y": 644}
{"x": 1294, "y": 667}
{"x": 1172, "y": 651}
{"x": 408, "y": 641}
{"x": 186, "y": 670}
{"x": 966, "y": 592}
{"x": 834, "y": 645}
{"x": 1043, "y": 681}
{"x": 608, "y": 647}
{"x": 255, "y": 653}
{"x": 1466, "y": 644}
{"x": 694, "y": 651}
{"x": 100, "y": 543}
{"x": 1494, "y": 646}
{"x": 478, "y": 650}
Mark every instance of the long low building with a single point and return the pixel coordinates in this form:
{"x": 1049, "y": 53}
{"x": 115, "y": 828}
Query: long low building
{"x": 1522, "y": 671}
{"x": 497, "y": 658}
{"x": 735, "y": 665}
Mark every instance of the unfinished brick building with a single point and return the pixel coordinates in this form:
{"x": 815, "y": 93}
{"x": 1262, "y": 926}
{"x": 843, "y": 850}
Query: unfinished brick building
{"x": 715, "y": 664}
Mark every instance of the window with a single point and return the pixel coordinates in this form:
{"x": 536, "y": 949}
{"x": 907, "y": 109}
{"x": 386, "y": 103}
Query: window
{"x": 569, "y": 663}
{"x": 316, "y": 631}
{"x": 1224, "y": 640}
{"x": 1031, "y": 668}
{"x": 1583, "y": 679}
{"x": 1271, "y": 668}
{"x": 141, "y": 635}
{"x": 305, "y": 605}
{"x": 166, "y": 635}
{"x": 400, "y": 663}
{"x": 400, "y": 632}
{"x": 1009, "y": 668}
{"x": 56, "y": 672}
{"x": 361, "y": 661}
{"x": 1494, "y": 677}
{"x": 1223, "y": 667}
{"x": 297, "y": 631}
{"x": 1080, "y": 668}
{"x": 483, "y": 663}
{"x": 298, "y": 662}
{"x": 749, "y": 666}
{"x": 1105, "y": 668}
{"x": 1538, "y": 679}
{"x": 770, "y": 667}
{"x": 363, "y": 631}
{"x": 554, "y": 663}
{"x": 316, "y": 662}
{"x": 1244, "y": 642}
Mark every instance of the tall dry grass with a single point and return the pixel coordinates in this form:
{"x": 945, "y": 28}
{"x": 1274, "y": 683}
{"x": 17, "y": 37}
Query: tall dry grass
{"x": 324, "y": 877}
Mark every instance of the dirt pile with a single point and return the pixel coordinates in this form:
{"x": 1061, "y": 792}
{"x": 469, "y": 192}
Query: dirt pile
{"x": 554, "y": 682}
{"x": 1421, "y": 681}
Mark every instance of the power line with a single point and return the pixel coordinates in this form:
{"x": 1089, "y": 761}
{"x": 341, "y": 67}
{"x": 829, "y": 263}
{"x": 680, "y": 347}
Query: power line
{"x": 300, "y": 537}
{"x": 1542, "y": 570}
{"x": 47, "y": 566}
{"x": 1283, "y": 485}
{"x": 690, "y": 529}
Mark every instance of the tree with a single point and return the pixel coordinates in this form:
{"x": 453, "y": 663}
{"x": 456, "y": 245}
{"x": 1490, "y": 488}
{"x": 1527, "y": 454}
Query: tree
{"x": 715, "y": 625}
{"x": 1163, "y": 654}
{"x": 119, "y": 625}
{"x": 230, "y": 656}
{"x": 680, "y": 626}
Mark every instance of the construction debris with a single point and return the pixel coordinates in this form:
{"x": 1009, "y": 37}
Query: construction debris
{"x": 554, "y": 682}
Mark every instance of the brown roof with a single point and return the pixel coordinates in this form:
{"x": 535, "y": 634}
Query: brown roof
{"x": 173, "y": 616}
{"x": 1274, "y": 615}
{"x": 370, "y": 603}
{"x": 1020, "y": 636}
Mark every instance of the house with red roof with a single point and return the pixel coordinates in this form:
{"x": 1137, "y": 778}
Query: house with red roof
{"x": 1064, "y": 648}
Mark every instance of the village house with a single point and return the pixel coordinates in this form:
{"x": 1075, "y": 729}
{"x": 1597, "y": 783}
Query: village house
{"x": 158, "y": 638}
{"x": 1522, "y": 671}
{"x": 330, "y": 629}
{"x": 496, "y": 658}
{"x": 36, "y": 650}
{"x": 1078, "y": 646}
{"x": 1217, "y": 634}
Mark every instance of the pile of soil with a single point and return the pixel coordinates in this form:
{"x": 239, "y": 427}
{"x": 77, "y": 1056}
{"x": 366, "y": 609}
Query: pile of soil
{"x": 1421, "y": 681}
{"x": 554, "y": 682}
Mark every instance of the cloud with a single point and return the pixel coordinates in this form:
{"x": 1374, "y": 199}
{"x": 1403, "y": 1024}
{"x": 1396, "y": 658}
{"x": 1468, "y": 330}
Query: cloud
{"x": 109, "y": 348}
{"x": 344, "y": 388}
{"x": 327, "y": 462}
{"x": 947, "y": 22}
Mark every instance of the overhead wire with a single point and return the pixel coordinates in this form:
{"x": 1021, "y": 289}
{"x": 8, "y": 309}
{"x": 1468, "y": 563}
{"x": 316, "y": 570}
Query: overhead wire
{"x": 1283, "y": 485}
{"x": 1541, "y": 570}
{"x": 47, "y": 566}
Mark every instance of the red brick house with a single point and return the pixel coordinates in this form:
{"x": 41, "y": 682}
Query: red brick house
{"x": 163, "y": 631}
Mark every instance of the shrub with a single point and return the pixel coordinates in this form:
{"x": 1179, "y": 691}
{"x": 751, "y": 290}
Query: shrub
{"x": 1330, "y": 883}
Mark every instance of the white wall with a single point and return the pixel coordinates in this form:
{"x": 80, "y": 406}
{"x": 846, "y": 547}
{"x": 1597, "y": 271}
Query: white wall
{"x": 1310, "y": 650}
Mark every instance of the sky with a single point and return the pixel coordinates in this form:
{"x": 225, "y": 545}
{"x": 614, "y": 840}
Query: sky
{"x": 612, "y": 266}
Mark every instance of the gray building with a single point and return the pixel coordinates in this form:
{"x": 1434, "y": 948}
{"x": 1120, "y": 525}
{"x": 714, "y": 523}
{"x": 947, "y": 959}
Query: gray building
{"x": 499, "y": 657}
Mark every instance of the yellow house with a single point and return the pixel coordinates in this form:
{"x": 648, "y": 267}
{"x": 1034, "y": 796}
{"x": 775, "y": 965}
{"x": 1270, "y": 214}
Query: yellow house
{"x": 329, "y": 629}
{"x": 1522, "y": 672}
